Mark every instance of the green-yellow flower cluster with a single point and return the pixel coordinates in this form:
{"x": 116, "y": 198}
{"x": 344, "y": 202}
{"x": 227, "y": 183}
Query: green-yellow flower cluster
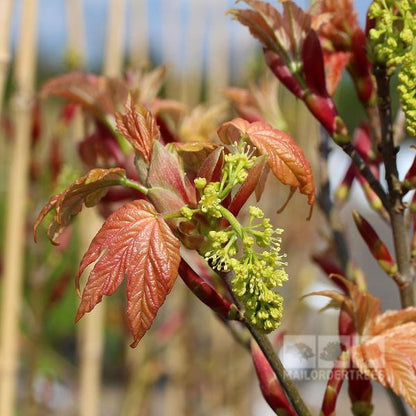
{"x": 251, "y": 252}
{"x": 393, "y": 42}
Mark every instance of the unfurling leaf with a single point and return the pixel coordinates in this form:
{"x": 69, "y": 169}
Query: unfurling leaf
{"x": 139, "y": 127}
{"x": 136, "y": 243}
{"x": 269, "y": 384}
{"x": 166, "y": 172}
{"x": 389, "y": 358}
{"x": 285, "y": 158}
{"x": 377, "y": 248}
{"x": 335, "y": 381}
{"x": 87, "y": 190}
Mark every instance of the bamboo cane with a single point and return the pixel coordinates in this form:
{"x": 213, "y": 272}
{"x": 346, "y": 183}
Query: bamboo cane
{"x": 191, "y": 75}
{"x": 171, "y": 44}
{"x": 114, "y": 54}
{"x": 91, "y": 333}
{"x": 76, "y": 45}
{"x": 139, "y": 50}
{"x": 218, "y": 61}
{"x": 91, "y": 340}
{"x": 16, "y": 205}
{"x": 5, "y": 22}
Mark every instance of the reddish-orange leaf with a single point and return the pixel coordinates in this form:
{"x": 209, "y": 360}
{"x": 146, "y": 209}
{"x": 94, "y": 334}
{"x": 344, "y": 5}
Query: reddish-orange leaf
{"x": 139, "y": 127}
{"x": 136, "y": 243}
{"x": 87, "y": 190}
{"x": 390, "y": 359}
{"x": 335, "y": 64}
{"x": 285, "y": 158}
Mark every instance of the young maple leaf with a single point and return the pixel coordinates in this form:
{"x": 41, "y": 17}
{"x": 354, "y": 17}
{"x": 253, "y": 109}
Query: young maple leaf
{"x": 87, "y": 190}
{"x": 139, "y": 127}
{"x": 134, "y": 242}
{"x": 285, "y": 158}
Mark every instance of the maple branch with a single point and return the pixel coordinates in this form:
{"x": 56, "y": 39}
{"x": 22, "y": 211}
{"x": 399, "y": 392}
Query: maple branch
{"x": 365, "y": 171}
{"x": 266, "y": 347}
{"x": 395, "y": 205}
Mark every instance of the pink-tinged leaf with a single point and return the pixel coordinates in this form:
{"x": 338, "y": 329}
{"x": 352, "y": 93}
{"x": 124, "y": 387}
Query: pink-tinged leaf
{"x": 390, "y": 359}
{"x": 96, "y": 94}
{"x": 377, "y": 248}
{"x": 165, "y": 200}
{"x": 249, "y": 186}
{"x": 139, "y": 127}
{"x": 100, "y": 149}
{"x": 165, "y": 171}
{"x": 211, "y": 167}
{"x": 136, "y": 243}
{"x": 269, "y": 384}
{"x": 193, "y": 154}
{"x": 335, "y": 63}
{"x": 244, "y": 103}
{"x": 257, "y": 23}
{"x": 390, "y": 319}
{"x": 87, "y": 190}
{"x": 206, "y": 293}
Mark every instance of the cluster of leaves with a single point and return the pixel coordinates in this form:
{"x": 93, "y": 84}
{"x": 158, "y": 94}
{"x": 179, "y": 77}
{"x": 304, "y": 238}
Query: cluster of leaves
{"x": 141, "y": 240}
{"x": 180, "y": 183}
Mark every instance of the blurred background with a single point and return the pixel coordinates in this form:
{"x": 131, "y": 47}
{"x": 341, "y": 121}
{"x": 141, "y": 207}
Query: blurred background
{"x": 188, "y": 364}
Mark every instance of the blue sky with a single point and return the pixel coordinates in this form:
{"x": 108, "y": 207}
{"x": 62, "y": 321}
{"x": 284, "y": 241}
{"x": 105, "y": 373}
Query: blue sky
{"x": 52, "y": 29}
